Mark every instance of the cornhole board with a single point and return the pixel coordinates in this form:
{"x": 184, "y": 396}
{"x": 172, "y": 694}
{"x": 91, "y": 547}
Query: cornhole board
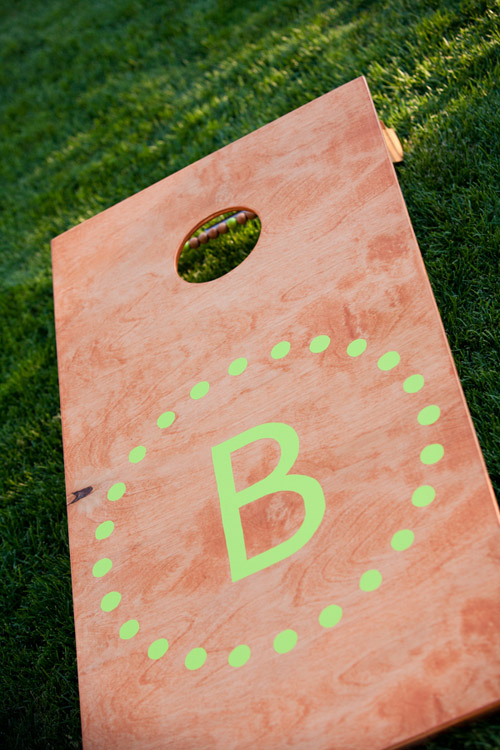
{"x": 282, "y": 531}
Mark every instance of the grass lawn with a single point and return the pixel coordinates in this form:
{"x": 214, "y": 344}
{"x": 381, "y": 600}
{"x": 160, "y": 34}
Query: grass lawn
{"x": 100, "y": 99}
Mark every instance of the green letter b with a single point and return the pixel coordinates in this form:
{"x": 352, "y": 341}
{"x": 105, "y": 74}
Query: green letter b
{"x": 279, "y": 480}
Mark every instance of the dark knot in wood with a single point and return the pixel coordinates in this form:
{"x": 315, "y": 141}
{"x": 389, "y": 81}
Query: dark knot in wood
{"x": 78, "y": 494}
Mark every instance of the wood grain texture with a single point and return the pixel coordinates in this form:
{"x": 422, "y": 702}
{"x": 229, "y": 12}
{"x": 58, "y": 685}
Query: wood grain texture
{"x": 336, "y": 256}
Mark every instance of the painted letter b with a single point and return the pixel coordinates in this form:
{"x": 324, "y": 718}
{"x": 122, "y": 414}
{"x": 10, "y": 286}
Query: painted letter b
{"x": 279, "y": 480}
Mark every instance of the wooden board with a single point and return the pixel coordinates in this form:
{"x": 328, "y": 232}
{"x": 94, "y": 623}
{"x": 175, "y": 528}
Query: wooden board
{"x": 347, "y": 596}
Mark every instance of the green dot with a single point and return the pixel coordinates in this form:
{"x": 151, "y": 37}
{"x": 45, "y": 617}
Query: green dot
{"x": 158, "y": 648}
{"x": 370, "y": 580}
{"x": 137, "y": 454}
{"x": 423, "y": 496}
{"x": 165, "y": 419}
{"x": 129, "y": 629}
{"x": 110, "y": 601}
{"x": 239, "y": 656}
{"x": 356, "y": 347}
{"x": 196, "y": 658}
{"x": 116, "y": 491}
{"x": 186, "y": 245}
{"x": 237, "y": 366}
{"x": 285, "y": 641}
{"x": 432, "y": 453}
{"x": 402, "y": 540}
{"x": 388, "y": 360}
{"x": 330, "y": 616}
{"x": 199, "y": 390}
{"x": 232, "y": 223}
{"x": 280, "y": 350}
{"x": 104, "y": 530}
{"x": 102, "y": 567}
{"x": 319, "y": 344}
{"x": 429, "y": 414}
{"x": 413, "y": 384}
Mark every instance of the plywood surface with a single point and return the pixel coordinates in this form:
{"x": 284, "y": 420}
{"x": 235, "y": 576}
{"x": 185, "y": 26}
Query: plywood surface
{"x": 415, "y": 644}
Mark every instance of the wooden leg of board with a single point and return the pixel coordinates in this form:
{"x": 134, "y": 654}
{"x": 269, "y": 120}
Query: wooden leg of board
{"x": 393, "y": 143}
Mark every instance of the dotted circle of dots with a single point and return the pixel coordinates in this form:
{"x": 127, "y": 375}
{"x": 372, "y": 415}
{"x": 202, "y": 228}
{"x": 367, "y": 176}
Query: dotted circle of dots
{"x": 429, "y": 415}
{"x": 137, "y": 454}
{"x": 158, "y": 649}
{"x": 388, "y": 361}
{"x": 356, "y": 347}
{"x": 423, "y": 495}
{"x": 199, "y": 390}
{"x": 102, "y": 567}
{"x": 166, "y": 419}
{"x": 104, "y": 530}
{"x": 196, "y": 658}
{"x": 280, "y": 350}
{"x": 402, "y": 540}
{"x": 239, "y": 655}
{"x": 110, "y": 601}
{"x": 285, "y": 641}
{"x": 330, "y": 616}
{"x": 413, "y": 384}
{"x": 371, "y": 580}
{"x": 431, "y": 454}
{"x": 116, "y": 491}
{"x": 237, "y": 366}
{"x": 319, "y": 344}
{"x": 129, "y": 629}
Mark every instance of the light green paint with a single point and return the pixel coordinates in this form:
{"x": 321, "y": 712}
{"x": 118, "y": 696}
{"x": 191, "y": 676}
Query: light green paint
{"x": 116, "y": 491}
{"x": 388, "y": 360}
{"x": 285, "y": 641}
{"x": 196, "y": 658}
{"x": 102, "y": 567}
{"x": 104, "y": 530}
{"x": 137, "y": 454}
{"x": 166, "y": 419}
{"x": 330, "y": 616}
{"x": 129, "y": 629}
{"x": 239, "y": 656}
{"x": 423, "y": 495}
{"x": 429, "y": 414}
{"x": 370, "y": 580}
{"x": 237, "y": 366}
{"x": 356, "y": 347}
{"x": 319, "y": 344}
{"x": 402, "y": 540}
{"x": 414, "y": 383}
{"x": 278, "y": 481}
{"x": 110, "y": 601}
{"x": 431, "y": 454}
{"x": 280, "y": 350}
{"x": 158, "y": 648}
{"x": 199, "y": 390}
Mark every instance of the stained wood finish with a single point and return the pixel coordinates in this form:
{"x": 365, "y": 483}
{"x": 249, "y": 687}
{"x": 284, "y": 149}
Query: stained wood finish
{"x": 336, "y": 257}
{"x": 393, "y": 143}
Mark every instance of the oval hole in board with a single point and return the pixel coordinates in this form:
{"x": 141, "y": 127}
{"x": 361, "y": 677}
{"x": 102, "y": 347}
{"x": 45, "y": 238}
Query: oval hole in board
{"x": 218, "y": 245}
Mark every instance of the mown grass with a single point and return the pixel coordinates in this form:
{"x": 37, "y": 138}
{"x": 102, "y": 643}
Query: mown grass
{"x": 99, "y": 100}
